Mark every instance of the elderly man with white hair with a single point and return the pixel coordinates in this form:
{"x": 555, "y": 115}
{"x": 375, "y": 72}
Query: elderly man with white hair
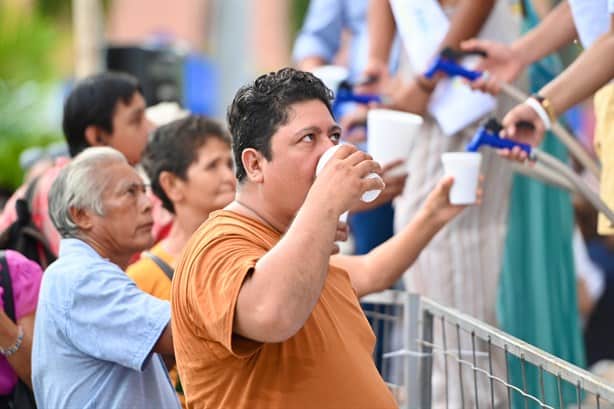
{"x": 98, "y": 337}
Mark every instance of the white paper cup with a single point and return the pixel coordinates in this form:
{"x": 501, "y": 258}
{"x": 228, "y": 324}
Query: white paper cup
{"x": 465, "y": 168}
{"x": 331, "y": 75}
{"x": 391, "y": 135}
{"x": 366, "y": 197}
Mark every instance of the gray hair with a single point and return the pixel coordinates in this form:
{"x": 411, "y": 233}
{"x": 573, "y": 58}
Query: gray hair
{"x": 80, "y": 185}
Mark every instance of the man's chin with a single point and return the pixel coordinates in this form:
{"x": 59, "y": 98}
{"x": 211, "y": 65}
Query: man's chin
{"x": 225, "y": 199}
{"x": 145, "y": 243}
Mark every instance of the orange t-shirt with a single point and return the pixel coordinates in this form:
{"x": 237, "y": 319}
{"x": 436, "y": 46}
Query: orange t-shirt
{"x": 150, "y": 278}
{"x": 327, "y": 364}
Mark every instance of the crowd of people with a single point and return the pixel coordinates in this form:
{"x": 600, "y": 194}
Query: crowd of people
{"x": 198, "y": 265}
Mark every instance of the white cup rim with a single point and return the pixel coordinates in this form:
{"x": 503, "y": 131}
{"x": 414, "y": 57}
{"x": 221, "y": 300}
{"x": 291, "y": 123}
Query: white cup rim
{"x": 461, "y": 157}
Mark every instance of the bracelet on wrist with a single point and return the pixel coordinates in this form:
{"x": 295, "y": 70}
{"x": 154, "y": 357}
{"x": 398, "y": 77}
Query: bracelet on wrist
{"x": 540, "y": 111}
{"x": 547, "y": 105}
{"x": 7, "y": 352}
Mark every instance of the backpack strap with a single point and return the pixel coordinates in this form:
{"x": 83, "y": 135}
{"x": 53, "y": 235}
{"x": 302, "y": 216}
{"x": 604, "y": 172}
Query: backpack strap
{"x": 24, "y": 205}
{"x": 28, "y": 229}
{"x": 5, "y": 282}
{"x": 31, "y": 191}
{"x": 168, "y": 270}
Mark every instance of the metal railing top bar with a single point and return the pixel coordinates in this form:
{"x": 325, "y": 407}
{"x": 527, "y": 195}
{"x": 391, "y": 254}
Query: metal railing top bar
{"x": 387, "y": 297}
{"x": 514, "y": 346}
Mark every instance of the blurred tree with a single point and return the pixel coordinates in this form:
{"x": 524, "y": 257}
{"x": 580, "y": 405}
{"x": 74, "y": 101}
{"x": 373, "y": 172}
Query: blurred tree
{"x": 29, "y": 46}
{"x": 299, "y": 9}
{"x": 53, "y": 7}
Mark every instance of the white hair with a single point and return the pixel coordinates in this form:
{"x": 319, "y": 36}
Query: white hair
{"x": 81, "y": 185}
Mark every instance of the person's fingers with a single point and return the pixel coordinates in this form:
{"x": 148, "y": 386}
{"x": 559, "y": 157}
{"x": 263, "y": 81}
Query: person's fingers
{"x": 342, "y": 232}
{"x": 335, "y": 249}
{"x": 478, "y": 84}
{"x": 375, "y": 183}
{"x": 504, "y": 153}
{"x": 357, "y": 157}
{"x": 375, "y": 105}
{"x": 345, "y": 150}
{"x": 446, "y": 184}
{"x": 474, "y": 44}
{"x": 479, "y": 195}
{"x": 509, "y": 131}
{"x": 366, "y": 166}
{"x": 493, "y": 86}
{"x": 517, "y": 154}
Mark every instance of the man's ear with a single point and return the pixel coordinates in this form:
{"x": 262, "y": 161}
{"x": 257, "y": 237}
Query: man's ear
{"x": 82, "y": 218}
{"x": 253, "y": 162}
{"x": 94, "y": 136}
{"x": 172, "y": 186}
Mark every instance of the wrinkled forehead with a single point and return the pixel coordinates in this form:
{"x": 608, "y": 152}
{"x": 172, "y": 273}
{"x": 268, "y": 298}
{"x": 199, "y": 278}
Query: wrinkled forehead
{"x": 118, "y": 177}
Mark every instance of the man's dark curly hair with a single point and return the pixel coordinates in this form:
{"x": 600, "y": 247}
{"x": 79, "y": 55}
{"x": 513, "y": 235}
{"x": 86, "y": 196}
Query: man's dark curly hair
{"x": 260, "y": 108}
{"x": 174, "y": 147}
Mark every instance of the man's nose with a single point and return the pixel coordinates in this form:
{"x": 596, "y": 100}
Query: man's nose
{"x": 146, "y": 204}
{"x": 327, "y": 144}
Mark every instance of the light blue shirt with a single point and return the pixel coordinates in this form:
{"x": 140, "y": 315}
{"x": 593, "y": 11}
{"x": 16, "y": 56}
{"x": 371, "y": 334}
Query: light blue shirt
{"x": 94, "y": 335}
{"x": 320, "y": 34}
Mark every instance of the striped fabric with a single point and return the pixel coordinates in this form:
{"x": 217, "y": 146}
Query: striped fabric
{"x": 460, "y": 267}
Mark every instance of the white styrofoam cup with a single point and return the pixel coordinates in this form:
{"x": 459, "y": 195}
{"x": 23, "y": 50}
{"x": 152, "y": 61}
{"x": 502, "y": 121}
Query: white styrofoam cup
{"x": 465, "y": 168}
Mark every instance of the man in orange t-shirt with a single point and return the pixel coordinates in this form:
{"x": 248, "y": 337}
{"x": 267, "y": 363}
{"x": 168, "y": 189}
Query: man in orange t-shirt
{"x": 262, "y": 316}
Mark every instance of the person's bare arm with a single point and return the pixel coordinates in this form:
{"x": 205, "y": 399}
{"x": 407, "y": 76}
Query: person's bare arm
{"x": 275, "y": 301}
{"x": 382, "y": 267}
{"x": 591, "y": 70}
{"x": 381, "y": 26}
{"x": 467, "y": 21}
{"x": 555, "y": 31}
{"x": 381, "y": 29}
{"x": 319, "y": 39}
{"x": 164, "y": 346}
{"x": 20, "y": 361}
{"x": 505, "y": 62}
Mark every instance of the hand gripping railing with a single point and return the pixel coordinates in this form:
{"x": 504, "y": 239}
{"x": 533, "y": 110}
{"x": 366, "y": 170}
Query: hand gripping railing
{"x": 552, "y": 169}
{"x": 447, "y": 63}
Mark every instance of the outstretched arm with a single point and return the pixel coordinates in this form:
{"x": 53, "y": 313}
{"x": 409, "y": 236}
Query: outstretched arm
{"x": 382, "y": 267}
{"x": 505, "y": 62}
{"x": 587, "y": 74}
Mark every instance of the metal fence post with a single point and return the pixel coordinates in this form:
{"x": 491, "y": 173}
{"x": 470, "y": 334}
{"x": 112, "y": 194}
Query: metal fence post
{"x": 426, "y": 363}
{"x": 411, "y": 336}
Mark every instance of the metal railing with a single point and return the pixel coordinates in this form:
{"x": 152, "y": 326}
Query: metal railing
{"x": 437, "y": 357}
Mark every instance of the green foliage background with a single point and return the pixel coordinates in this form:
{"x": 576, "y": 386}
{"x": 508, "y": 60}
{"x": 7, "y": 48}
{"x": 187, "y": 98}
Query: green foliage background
{"x": 28, "y": 65}
{"x": 33, "y": 57}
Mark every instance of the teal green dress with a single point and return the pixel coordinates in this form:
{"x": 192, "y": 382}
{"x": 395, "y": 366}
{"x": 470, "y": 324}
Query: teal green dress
{"x": 537, "y": 292}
